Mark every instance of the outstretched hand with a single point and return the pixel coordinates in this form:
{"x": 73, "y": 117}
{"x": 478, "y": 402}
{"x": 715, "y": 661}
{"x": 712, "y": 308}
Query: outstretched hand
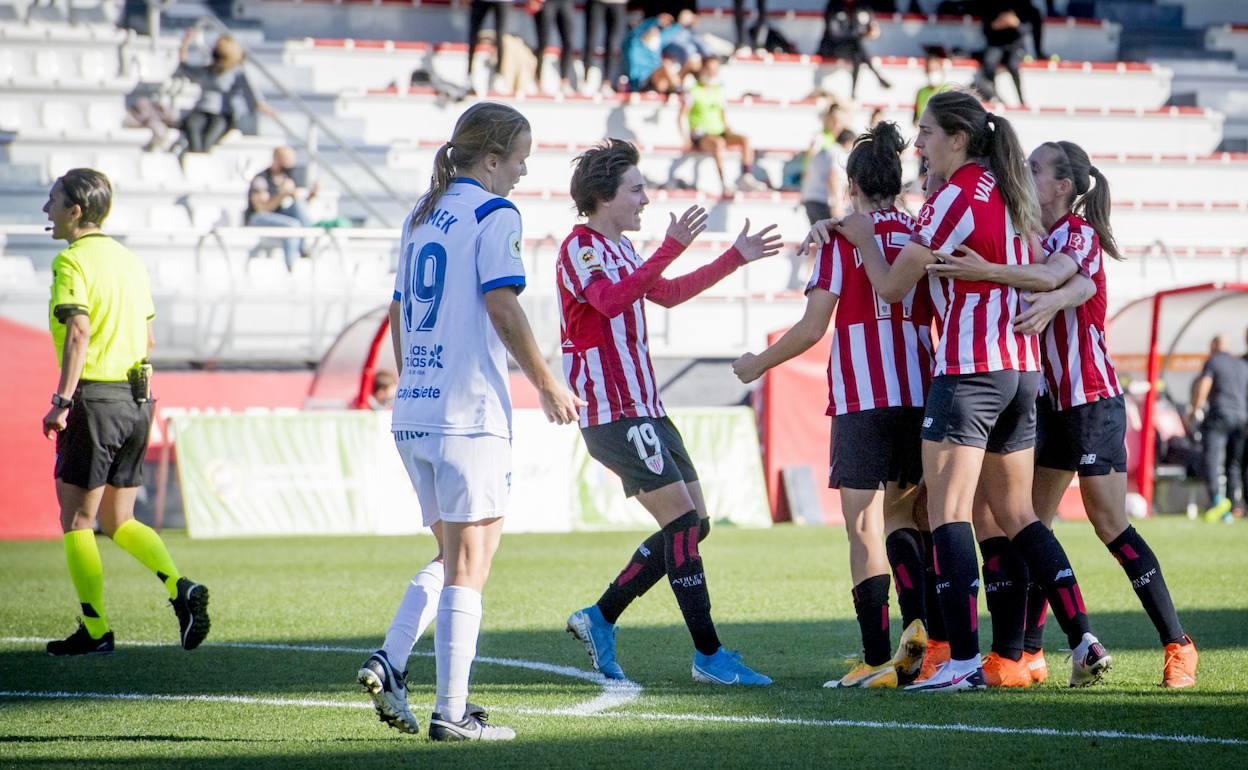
{"x": 763, "y": 243}
{"x": 689, "y": 226}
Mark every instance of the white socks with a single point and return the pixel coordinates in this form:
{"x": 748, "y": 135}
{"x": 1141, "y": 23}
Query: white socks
{"x": 415, "y": 613}
{"x": 455, "y": 646}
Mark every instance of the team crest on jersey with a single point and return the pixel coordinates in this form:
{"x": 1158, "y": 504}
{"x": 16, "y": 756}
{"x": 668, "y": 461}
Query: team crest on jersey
{"x": 513, "y": 243}
{"x": 655, "y": 464}
{"x": 925, "y": 215}
{"x": 589, "y": 258}
{"x": 1077, "y": 242}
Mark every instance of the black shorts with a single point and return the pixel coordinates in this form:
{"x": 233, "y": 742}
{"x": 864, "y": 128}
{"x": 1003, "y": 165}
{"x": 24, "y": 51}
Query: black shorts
{"x": 645, "y": 452}
{"x": 105, "y": 437}
{"x": 872, "y": 448}
{"x": 995, "y": 411}
{"x": 1090, "y": 439}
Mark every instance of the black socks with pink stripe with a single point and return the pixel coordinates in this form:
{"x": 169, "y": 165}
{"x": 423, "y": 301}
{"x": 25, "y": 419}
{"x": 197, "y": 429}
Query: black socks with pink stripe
{"x": 684, "y": 571}
{"x": 957, "y": 586}
{"x": 905, "y": 557}
{"x": 1047, "y": 562}
{"x": 871, "y": 607}
{"x": 1005, "y": 589}
{"x": 1144, "y": 572}
{"x": 642, "y": 572}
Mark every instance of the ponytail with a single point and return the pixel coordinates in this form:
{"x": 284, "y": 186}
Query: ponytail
{"x": 484, "y": 128}
{"x": 1089, "y": 193}
{"x": 993, "y": 138}
{"x": 875, "y": 162}
{"x": 440, "y": 180}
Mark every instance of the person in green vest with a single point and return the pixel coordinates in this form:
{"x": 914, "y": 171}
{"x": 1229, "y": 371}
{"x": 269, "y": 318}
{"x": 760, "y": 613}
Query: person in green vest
{"x": 934, "y": 67}
{"x": 706, "y": 130}
{"x": 100, "y": 314}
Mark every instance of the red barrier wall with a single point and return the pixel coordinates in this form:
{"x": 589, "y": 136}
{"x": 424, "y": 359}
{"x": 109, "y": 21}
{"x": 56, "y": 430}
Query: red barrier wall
{"x": 29, "y": 375}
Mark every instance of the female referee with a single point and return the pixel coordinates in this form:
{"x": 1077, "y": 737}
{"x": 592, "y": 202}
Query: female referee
{"x": 879, "y": 370}
{"x": 1081, "y": 425}
{"x": 980, "y": 411}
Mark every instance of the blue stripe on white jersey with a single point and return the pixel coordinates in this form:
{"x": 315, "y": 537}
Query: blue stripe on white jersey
{"x": 453, "y": 378}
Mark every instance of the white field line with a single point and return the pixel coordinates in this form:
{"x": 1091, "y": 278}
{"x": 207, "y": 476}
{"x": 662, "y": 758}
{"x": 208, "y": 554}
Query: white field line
{"x": 614, "y": 693}
{"x": 659, "y": 717}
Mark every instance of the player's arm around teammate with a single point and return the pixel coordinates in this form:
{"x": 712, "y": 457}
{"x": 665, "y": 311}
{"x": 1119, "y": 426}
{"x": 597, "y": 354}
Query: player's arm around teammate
{"x": 602, "y": 284}
{"x": 100, "y": 316}
{"x": 875, "y": 399}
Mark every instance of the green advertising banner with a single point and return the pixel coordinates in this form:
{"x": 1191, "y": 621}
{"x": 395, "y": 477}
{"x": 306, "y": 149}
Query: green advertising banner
{"x": 333, "y": 473}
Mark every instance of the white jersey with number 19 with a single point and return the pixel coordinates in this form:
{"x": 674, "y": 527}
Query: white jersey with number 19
{"x": 453, "y": 377}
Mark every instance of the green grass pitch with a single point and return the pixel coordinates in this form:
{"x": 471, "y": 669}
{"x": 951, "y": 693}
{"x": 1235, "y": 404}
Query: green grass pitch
{"x": 780, "y": 596}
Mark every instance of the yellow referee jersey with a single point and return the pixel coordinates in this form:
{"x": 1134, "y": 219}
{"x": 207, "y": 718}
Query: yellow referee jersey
{"x": 98, "y": 276}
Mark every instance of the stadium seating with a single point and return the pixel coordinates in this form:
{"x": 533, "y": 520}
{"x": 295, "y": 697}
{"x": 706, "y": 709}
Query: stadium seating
{"x": 1178, "y": 207}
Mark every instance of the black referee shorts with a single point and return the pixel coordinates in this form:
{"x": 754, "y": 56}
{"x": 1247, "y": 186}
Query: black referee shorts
{"x": 647, "y": 453}
{"x": 995, "y": 411}
{"x": 105, "y": 437}
{"x": 871, "y": 448}
{"x": 1090, "y": 438}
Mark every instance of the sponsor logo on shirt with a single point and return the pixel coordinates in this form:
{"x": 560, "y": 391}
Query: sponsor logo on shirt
{"x": 925, "y": 215}
{"x": 1077, "y": 242}
{"x": 513, "y": 243}
{"x": 417, "y": 393}
{"x": 425, "y": 356}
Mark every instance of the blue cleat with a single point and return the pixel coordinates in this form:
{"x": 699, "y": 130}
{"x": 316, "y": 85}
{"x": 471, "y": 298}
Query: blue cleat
{"x": 591, "y": 629}
{"x": 725, "y": 667}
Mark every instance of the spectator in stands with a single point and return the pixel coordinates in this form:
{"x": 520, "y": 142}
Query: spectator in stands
{"x": 608, "y": 15}
{"x": 226, "y": 98}
{"x": 757, "y": 38}
{"x": 702, "y": 116}
{"x": 477, "y": 11}
{"x": 557, "y": 13}
{"x": 1004, "y": 48}
{"x": 1031, "y": 16}
{"x": 846, "y": 25}
{"x": 1223, "y": 387}
{"x": 278, "y": 198}
{"x": 823, "y": 178}
{"x": 934, "y": 69}
{"x": 385, "y": 387}
{"x": 648, "y": 68}
{"x": 680, "y": 43}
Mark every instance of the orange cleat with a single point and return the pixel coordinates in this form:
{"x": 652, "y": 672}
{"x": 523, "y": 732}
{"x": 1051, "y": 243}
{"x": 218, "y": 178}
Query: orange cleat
{"x": 1180, "y": 667}
{"x": 1037, "y": 665}
{"x": 937, "y": 655}
{"x": 1003, "y": 672}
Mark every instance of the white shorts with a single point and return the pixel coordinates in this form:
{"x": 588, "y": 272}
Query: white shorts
{"x": 457, "y": 478}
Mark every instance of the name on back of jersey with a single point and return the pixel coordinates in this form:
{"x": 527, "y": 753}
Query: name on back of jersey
{"x": 442, "y": 219}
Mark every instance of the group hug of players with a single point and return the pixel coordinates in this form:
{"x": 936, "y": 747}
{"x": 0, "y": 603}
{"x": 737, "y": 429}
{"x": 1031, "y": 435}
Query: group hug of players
{"x": 936, "y": 446}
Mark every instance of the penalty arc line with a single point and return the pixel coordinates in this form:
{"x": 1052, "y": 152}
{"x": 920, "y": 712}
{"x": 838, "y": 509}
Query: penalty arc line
{"x": 614, "y": 693}
{"x": 1047, "y": 732}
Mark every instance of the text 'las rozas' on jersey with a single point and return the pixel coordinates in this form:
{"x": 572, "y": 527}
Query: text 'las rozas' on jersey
{"x": 453, "y": 377}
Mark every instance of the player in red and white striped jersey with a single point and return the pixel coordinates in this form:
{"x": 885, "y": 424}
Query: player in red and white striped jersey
{"x": 878, "y": 372}
{"x": 603, "y": 285}
{"x": 980, "y": 411}
{"x": 1082, "y": 422}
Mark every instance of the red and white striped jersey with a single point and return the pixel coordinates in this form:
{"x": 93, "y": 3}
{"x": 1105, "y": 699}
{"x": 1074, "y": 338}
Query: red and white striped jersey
{"x": 977, "y": 317}
{"x": 881, "y": 353}
{"x": 606, "y": 360}
{"x": 1077, "y": 367}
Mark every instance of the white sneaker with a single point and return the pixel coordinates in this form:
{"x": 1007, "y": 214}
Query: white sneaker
{"x": 388, "y": 689}
{"x": 946, "y": 680}
{"x": 473, "y": 727}
{"x": 1088, "y": 662}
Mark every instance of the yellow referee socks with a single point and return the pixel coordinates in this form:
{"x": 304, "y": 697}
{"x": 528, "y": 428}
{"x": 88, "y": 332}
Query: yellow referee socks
{"x": 83, "y": 558}
{"x": 141, "y": 541}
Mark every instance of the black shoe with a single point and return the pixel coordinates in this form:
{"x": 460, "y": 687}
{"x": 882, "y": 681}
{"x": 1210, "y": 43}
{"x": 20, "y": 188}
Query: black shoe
{"x": 191, "y": 607}
{"x": 473, "y": 727}
{"x": 81, "y": 643}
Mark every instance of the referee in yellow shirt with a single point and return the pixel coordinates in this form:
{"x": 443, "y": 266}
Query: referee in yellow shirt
{"x": 101, "y": 315}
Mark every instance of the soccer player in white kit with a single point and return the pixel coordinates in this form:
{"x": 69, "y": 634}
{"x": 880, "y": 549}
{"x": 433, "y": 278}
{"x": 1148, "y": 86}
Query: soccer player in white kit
{"x": 453, "y": 320}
